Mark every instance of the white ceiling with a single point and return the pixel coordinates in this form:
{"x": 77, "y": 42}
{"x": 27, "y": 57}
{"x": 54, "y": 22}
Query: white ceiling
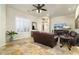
{"x": 53, "y": 10}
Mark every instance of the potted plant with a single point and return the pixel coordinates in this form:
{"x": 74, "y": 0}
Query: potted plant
{"x": 11, "y": 34}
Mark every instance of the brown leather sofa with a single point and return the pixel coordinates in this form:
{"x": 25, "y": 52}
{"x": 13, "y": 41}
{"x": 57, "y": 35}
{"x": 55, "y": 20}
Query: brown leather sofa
{"x": 44, "y": 38}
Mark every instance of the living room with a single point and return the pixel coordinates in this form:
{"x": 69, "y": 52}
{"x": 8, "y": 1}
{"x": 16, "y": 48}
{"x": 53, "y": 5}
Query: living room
{"x": 24, "y": 19}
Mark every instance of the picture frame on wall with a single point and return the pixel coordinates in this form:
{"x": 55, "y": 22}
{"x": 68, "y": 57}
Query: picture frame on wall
{"x": 34, "y": 26}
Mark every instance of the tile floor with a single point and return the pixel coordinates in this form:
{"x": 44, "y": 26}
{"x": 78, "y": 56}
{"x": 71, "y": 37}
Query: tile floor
{"x": 29, "y": 47}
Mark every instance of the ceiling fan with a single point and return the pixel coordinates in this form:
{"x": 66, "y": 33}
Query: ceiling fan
{"x": 39, "y": 8}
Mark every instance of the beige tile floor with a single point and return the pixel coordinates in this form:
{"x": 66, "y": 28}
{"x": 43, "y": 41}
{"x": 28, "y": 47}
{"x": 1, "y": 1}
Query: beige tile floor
{"x": 29, "y": 47}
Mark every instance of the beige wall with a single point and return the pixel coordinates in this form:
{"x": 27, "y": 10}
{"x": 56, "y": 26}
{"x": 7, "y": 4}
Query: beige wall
{"x": 76, "y": 14}
{"x": 11, "y": 14}
{"x": 68, "y": 19}
{"x": 2, "y": 24}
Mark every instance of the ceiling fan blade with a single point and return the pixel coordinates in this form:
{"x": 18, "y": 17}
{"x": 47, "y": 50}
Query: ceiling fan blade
{"x": 34, "y": 9}
{"x": 35, "y": 6}
{"x": 44, "y": 9}
{"x": 42, "y": 5}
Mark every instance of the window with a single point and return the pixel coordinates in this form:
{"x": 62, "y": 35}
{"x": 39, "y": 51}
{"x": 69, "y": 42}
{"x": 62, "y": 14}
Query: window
{"x": 22, "y": 24}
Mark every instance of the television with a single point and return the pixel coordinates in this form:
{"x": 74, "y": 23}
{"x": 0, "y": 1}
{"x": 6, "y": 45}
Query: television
{"x": 61, "y": 26}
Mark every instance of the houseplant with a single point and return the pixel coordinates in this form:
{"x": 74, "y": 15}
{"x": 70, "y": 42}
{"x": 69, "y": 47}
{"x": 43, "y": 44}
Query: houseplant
{"x": 11, "y": 34}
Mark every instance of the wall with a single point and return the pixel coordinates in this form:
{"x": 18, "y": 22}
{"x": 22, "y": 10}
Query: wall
{"x": 11, "y": 14}
{"x": 2, "y": 24}
{"x": 76, "y": 14}
{"x": 40, "y": 24}
{"x": 68, "y": 19}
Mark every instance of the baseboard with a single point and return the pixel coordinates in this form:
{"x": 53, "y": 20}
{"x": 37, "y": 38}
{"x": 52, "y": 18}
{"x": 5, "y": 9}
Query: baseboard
{"x": 3, "y": 45}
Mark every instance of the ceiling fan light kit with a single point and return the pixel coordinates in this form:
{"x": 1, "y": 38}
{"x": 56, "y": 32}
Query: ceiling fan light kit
{"x": 38, "y": 11}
